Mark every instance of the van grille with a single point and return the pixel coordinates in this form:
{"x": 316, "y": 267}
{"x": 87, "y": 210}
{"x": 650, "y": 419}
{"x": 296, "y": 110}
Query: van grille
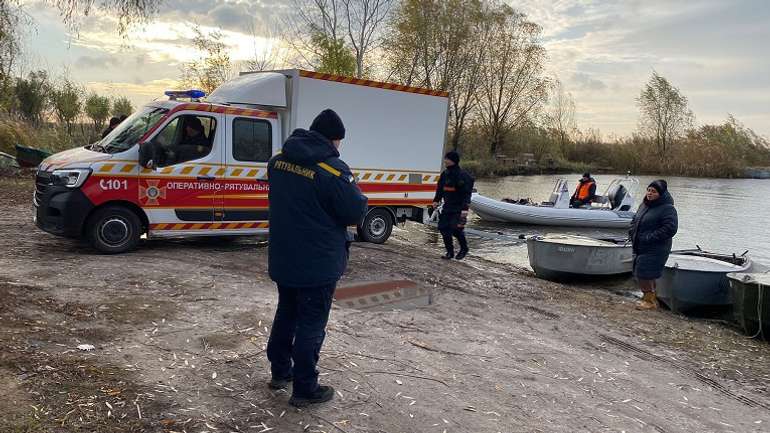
{"x": 42, "y": 183}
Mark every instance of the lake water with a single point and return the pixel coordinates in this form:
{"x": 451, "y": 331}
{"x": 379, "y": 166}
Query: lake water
{"x": 725, "y": 215}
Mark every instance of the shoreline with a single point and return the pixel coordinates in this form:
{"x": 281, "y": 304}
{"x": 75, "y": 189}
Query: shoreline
{"x": 179, "y": 329}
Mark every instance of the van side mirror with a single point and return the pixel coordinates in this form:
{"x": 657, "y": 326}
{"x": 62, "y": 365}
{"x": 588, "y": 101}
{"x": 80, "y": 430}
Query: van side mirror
{"x": 147, "y": 154}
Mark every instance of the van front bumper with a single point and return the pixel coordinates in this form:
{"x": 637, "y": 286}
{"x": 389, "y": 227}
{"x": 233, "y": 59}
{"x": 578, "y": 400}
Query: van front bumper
{"x": 59, "y": 210}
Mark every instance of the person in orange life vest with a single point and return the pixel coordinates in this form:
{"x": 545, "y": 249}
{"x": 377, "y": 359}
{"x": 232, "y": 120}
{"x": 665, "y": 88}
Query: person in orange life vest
{"x": 585, "y": 191}
{"x": 455, "y": 187}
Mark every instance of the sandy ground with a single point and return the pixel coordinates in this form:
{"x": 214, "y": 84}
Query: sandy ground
{"x": 179, "y": 330}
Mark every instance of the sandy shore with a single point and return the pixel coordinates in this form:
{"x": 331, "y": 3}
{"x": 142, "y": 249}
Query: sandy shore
{"x": 179, "y": 330}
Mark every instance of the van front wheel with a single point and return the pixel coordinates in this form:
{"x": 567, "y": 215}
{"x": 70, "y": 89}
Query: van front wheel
{"x": 114, "y": 230}
{"x": 376, "y": 227}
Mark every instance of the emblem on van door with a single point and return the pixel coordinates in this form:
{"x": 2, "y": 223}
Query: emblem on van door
{"x": 151, "y": 192}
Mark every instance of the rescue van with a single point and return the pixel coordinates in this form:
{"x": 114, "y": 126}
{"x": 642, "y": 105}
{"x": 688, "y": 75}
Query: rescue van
{"x": 189, "y": 166}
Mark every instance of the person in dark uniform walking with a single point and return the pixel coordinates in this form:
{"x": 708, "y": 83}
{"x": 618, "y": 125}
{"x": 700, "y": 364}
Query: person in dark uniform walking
{"x": 455, "y": 187}
{"x": 313, "y": 199}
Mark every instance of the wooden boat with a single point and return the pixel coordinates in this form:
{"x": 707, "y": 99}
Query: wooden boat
{"x": 750, "y": 293}
{"x": 697, "y": 278}
{"x": 29, "y": 156}
{"x": 560, "y": 257}
{"x": 611, "y": 210}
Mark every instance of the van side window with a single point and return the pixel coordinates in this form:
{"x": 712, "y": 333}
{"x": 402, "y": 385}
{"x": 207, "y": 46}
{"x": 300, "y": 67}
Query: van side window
{"x": 251, "y": 140}
{"x": 185, "y": 138}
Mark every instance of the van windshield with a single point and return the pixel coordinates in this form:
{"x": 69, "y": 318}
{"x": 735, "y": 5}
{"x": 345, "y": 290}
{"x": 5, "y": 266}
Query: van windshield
{"x": 128, "y": 133}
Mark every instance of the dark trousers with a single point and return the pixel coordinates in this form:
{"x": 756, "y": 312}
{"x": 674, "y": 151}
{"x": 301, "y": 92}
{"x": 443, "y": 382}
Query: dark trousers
{"x": 447, "y": 234}
{"x": 298, "y": 331}
{"x": 449, "y": 225}
{"x": 580, "y": 203}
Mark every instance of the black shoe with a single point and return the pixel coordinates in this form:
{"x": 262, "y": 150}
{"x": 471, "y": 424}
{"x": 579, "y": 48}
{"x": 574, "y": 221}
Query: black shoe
{"x": 448, "y": 256}
{"x": 280, "y": 383}
{"x": 461, "y": 254}
{"x": 321, "y": 395}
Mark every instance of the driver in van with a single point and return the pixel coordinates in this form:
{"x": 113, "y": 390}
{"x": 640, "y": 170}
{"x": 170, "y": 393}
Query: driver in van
{"x": 194, "y": 143}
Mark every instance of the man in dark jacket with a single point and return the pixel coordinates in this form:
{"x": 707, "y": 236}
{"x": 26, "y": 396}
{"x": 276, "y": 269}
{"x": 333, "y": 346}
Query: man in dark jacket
{"x": 114, "y": 122}
{"x": 585, "y": 191}
{"x": 313, "y": 199}
{"x": 455, "y": 187}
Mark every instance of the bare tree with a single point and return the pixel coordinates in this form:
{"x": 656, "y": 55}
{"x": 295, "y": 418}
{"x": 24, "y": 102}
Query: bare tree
{"x": 664, "y": 113}
{"x": 214, "y": 66}
{"x": 128, "y": 12}
{"x": 513, "y": 87}
{"x": 266, "y": 57}
{"x": 435, "y": 44}
{"x": 317, "y": 25}
{"x": 363, "y": 19}
{"x": 11, "y": 19}
{"x": 560, "y": 117}
{"x": 302, "y": 27}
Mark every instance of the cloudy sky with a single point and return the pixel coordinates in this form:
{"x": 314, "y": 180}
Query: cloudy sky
{"x": 715, "y": 51}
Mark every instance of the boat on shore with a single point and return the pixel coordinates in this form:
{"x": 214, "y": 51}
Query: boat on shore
{"x": 698, "y": 279}
{"x": 750, "y": 293}
{"x": 29, "y": 156}
{"x": 560, "y": 257}
{"x": 611, "y": 210}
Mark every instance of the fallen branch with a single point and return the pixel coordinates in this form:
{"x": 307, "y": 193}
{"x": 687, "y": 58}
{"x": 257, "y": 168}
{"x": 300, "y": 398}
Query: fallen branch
{"x": 328, "y": 422}
{"x": 395, "y": 373}
{"x": 446, "y": 352}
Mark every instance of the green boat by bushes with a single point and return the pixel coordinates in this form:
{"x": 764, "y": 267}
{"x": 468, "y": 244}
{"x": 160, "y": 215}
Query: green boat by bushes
{"x": 29, "y": 156}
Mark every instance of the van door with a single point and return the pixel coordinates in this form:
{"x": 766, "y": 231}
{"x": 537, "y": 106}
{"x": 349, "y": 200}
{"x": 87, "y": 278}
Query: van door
{"x": 180, "y": 196}
{"x": 249, "y": 147}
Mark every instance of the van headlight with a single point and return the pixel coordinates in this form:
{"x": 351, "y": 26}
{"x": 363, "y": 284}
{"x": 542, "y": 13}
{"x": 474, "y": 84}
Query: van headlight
{"x": 71, "y": 178}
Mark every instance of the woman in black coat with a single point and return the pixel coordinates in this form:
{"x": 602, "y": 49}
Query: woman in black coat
{"x": 652, "y": 230}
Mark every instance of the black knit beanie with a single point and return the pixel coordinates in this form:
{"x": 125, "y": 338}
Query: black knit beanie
{"x": 660, "y": 185}
{"x": 453, "y": 156}
{"x": 329, "y": 124}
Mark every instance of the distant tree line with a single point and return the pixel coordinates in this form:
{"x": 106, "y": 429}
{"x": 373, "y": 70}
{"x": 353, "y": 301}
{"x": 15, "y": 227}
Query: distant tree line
{"x": 54, "y": 114}
{"x": 486, "y": 54}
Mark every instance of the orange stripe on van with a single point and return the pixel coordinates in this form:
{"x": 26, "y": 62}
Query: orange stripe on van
{"x": 370, "y": 83}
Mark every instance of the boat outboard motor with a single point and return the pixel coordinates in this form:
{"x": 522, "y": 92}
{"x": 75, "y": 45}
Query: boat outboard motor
{"x": 617, "y": 196}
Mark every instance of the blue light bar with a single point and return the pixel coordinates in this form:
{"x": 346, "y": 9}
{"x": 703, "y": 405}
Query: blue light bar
{"x": 192, "y": 94}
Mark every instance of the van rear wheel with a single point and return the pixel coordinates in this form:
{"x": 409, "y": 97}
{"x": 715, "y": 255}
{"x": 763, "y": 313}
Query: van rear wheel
{"x": 376, "y": 227}
{"x": 114, "y": 230}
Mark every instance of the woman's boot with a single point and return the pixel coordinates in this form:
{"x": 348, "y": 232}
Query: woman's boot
{"x": 649, "y": 302}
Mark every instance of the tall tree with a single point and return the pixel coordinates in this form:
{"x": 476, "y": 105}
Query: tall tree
{"x": 357, "y": 23}
{"x": 97, "y": 108}
{"x": 560, "y": 116}
{"x": 267, "y": 51}
{"x": 513, "y": 87}
{"x": 12, "y": 17}
{"x": 664, "y": 113}
{"x": 122, "y": 106}
{"x": 67, "y": 102}
{"x": 363, "y": 20}
{"x": 435, "y": 44}
{"x": 334, "y": 57}
{"x": 213, "y": 68}
{"x": 128, "y": 12}
{"x": 34, "y": 96}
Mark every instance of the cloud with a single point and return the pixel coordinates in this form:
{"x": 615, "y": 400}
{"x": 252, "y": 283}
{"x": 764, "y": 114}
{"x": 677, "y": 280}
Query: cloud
{"x": 232, "y": 16}
{"x": 585, "y": 82}
{"x": 602, "y": 50}
{"x": 96, "y": 62}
